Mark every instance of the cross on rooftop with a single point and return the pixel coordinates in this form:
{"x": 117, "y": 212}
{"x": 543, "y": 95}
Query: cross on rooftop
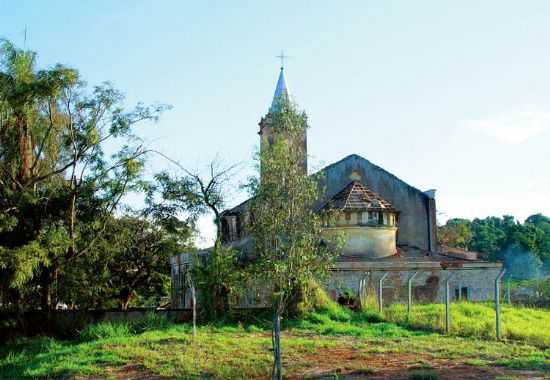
{"x": 282, "y": 57}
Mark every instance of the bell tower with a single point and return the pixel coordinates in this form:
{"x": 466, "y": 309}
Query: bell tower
{"x": 268, "y": 132}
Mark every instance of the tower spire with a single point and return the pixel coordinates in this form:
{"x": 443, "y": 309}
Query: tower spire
{"x": 281, "y": 90}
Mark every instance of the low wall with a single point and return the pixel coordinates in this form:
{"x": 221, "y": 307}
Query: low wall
{"x": 67, "y": 324}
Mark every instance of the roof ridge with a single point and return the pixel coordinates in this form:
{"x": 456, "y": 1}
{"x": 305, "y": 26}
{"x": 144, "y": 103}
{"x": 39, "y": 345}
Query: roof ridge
{"x": 350, "y": 185}
{"x": 357, "y": 156}
{"x": 357, "y": 196}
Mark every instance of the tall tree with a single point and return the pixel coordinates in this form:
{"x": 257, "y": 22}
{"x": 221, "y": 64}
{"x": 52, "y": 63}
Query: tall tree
{"x": 128, "y": 266}
{"x": 286, "y": 232}
{"x": 195, "y": 194}
{"x": 58, "y": 188}
{"x": 455, "y": 233}
{"x": 139, "y": 263}
{"x": 504, "y": 239}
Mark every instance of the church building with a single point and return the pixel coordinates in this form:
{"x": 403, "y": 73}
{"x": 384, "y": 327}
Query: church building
{"x": 390, "y": 231}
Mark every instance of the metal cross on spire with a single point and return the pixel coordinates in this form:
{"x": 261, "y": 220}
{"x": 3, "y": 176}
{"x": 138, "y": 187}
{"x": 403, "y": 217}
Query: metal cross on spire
{"x": 282, "y": 57}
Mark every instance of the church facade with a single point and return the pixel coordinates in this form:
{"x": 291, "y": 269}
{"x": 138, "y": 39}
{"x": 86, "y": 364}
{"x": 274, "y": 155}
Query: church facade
{"x": 390, "y": 234}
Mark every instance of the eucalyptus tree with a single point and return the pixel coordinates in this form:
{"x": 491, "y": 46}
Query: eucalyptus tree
{"x": 289, "y": 250}
{"x": 58, "y": 186}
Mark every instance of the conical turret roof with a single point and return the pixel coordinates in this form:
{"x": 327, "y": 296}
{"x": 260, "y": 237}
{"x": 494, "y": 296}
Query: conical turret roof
{"x": 356, "y": 196}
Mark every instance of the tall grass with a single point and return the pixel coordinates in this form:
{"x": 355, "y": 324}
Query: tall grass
{"x": 326, "y": 317}
{"x": 478, "y": 320}
{"x": 241, "y": 351}
{"x": 120, "y": 329}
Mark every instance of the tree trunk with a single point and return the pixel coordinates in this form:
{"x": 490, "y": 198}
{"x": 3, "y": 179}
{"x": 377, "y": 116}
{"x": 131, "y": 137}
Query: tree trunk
{"x": 72, "y": 217}
{"x": 276, "y": 342}
{"x": 45, "y": 289}
{"x": 124, "y": 304}
{"x": 125, "y": 295}
{"x": 24, "y": 148}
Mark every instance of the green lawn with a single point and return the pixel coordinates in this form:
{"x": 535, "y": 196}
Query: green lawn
{"x": 478, "y": 320}
{"x": 332, "y": 340}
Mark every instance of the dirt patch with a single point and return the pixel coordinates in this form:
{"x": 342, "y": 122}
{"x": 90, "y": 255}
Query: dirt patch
{"x": 134, "y": 372}
{"x": 347, "y": 363}
{"x": 452, "y": 372}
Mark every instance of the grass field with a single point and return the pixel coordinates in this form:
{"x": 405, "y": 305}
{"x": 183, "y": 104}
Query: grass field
{"x": 331, "y": 342}
{"x": 478, "y": 320}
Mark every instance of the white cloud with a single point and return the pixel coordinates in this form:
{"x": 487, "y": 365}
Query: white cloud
{"x": 513, "y": 127}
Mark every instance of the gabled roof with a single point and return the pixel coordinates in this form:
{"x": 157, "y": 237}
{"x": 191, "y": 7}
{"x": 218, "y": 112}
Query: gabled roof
{"x": 281, "y": 91}
{"x": 356, "y": 196}
{"x": 360, "y": 159}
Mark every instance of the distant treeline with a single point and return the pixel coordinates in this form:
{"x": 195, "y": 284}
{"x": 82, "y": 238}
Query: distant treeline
{"x": 523, "y": 247}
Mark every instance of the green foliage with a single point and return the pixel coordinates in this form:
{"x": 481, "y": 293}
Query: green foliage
{"x": 58, "y": 188}
{"x": 329, "y": 318}
{"x": 240, "y": 351}
{"x": 105, "y": 330}
{"x": 288, "y": 249}
{"x": 538, "y": 292}
{"x": 215, "y": 273}
{"x": 478, "y": 320}
{"x": 288, "y": 252}
{"x": 219, "y": 280}
{"x": 320, "y": 300}
{"x": 456, "y": 233}
{"x": 127, "y": 267}
{"x": 150, "y": 322}
{"x": 119, "y": 329}
{"x": 525, "y": 248}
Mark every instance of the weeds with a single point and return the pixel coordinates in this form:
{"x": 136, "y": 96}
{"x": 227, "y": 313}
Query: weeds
{"x": 477, "y": 320}
{"x": 241, "y": 350}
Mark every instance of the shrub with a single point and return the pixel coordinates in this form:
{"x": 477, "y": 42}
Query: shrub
{"x": 368, "y": 316}
{"x": 321, "y": 302}
{"x": 104, "y": 330}
{"x": 151, "y": 321}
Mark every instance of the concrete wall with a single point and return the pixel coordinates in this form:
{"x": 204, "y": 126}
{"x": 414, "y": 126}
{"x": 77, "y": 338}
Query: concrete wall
{"x": 414, "y": 220}
{"x": 427, "y": 286}
{"x": 368, "y": 241}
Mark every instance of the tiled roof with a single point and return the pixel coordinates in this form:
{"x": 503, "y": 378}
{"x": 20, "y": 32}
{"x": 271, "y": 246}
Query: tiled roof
{"x": 356, "y": 196}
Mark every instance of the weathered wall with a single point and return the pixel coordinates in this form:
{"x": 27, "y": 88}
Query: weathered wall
{"x": 414, "y": 223}
{"x": 427, "y": 286}
{"x": 368, "y": 241}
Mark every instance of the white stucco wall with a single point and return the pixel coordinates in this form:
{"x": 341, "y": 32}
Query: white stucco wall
{"x": 368, "y": 241}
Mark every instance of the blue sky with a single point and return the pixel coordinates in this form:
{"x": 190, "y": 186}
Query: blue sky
{"x": 444, "y": 94}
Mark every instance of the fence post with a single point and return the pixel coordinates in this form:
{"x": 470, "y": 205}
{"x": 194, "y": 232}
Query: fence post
{"x": 360, "y": 292}
{"x": 191, "y": 285}
{"x": 497, "y": 301}
{"x": 508, "y": 294}
{"x": 409, "y": 288}
{"x": 363, "y": 290}
{"x": 380, "y": 296}
{"x": 448, "y": 304}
